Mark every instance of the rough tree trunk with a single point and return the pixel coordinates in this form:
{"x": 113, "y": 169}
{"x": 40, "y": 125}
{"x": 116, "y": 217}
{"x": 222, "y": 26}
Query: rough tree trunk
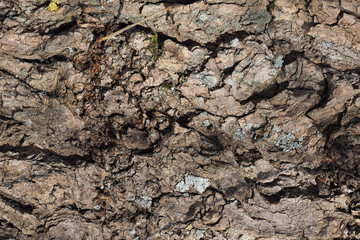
{"x": 220, "y": 119}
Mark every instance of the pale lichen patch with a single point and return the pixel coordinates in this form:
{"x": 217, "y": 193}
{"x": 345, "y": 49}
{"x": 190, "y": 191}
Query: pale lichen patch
{"x": 198, "y": 183}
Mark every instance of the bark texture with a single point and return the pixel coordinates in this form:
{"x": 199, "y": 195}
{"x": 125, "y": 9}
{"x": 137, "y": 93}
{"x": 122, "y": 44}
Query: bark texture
{"x": 221, "y": 119}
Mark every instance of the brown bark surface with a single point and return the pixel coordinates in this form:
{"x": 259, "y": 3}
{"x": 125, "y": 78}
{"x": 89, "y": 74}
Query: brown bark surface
{"x": 219, "y": 119}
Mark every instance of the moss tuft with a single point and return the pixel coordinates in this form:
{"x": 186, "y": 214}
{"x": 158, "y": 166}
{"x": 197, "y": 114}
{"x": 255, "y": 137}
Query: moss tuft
{"x": 155, "y": 48}
{"x": 272, "y": 6}
{"x": 167, "y": 85}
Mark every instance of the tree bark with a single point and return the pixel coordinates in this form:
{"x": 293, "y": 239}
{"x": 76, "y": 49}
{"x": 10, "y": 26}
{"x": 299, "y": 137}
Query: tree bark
{"x": 216, "y": 119}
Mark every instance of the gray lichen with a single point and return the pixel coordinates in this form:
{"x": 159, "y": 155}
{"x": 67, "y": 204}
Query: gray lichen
{"x": 199, "y": 184}
{"x": 287, "y": 142}
{"x": 208, "y": 79}
{"x": 240, "y": 134}
{"x": 279, "y": 61}
{"x": 206, "y": 123}
{"x": 144, "y": 201}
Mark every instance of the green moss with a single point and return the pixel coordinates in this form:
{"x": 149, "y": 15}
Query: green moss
{"x": 167, "y": 85}
{"x": 320, "y": 127}
{"x": 272, "y": 6}
{"x": 154, "y": 47}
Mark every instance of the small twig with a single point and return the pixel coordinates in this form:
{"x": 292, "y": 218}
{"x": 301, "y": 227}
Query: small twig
{"x": 132, "y": 25}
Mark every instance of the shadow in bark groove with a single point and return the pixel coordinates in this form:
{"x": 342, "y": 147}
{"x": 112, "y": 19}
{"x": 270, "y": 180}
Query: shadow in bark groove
{"x": 227, "y": 38}
{"x": 71, "y": 160}
{"x": 248, "y": 157}
{"x": 267, "y": 93}
{"x": 293, "y": 192}
{"x": 292, "y": 56}
{"x": 62, "y": 29}
{"x": 17, "y": 204}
